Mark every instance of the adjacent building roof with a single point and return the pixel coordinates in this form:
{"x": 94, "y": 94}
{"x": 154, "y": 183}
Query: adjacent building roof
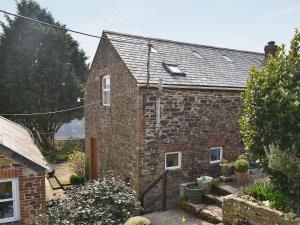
{"x": 201, "y": 65}
{"x": 17, "y": 138}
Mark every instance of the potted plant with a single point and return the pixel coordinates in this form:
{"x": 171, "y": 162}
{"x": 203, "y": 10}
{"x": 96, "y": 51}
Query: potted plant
{"x": 194, "y": 193}
{"x": 205, "y": 182}
{"x": 226, "y": 168}
{"x": 241, "y": 167}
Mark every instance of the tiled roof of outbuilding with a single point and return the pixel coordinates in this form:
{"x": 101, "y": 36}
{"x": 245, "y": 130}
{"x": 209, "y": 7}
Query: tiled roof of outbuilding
{"x": 213, "y": 69}
{"x": 17, "y": 138}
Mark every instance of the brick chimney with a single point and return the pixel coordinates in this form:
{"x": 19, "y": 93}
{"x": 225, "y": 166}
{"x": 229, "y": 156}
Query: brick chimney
{"x": 270, "y": 48}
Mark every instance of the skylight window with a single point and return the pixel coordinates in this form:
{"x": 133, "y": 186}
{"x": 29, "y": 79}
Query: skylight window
{"x": 173, "y": 69}
{"x": 197, "y": 54}
{"x": 227, "y": 58}
{"x": 153, "y": 50}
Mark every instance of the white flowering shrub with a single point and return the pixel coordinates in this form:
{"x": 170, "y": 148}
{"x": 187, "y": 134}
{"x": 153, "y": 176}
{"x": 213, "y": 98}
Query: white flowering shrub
{"x": 106, "y": 202}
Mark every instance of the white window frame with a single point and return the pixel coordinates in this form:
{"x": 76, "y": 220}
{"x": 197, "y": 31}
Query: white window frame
{"x": 221, "y": 155}
{"x": 105, "y": 90}
{"x": 14, "y": 199}
{"x": 179, "y": 160}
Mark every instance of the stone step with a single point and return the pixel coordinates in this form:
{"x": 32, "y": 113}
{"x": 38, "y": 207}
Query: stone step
{"x": 211, "y": 199}
{"x": 225, "y": 188}
{"x": 175, "y": 217}
{"x": 209, "y": 213}
{"x": 212, "y": 214}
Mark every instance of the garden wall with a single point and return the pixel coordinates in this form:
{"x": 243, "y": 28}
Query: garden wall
{"x": 240, "y": 211}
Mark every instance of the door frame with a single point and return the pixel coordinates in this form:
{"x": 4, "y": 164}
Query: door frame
{"x": 94, "y": 158}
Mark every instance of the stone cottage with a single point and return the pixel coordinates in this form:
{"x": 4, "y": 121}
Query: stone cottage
{"x": 154, "y": 105}
{"x": 22, "y": 175}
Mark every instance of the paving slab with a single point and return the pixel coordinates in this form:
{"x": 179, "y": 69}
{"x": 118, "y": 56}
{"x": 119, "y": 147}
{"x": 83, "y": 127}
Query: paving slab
{"x": 174, "y": 217}
{"x": 231, "y": 187}
{"x": 62, "y": 172}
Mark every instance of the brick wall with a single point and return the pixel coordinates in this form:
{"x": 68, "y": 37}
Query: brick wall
{"x": 114, "y": 126}
{"x": 32, "y": 195}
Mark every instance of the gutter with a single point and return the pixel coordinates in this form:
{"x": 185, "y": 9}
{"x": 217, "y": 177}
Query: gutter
{"x": 193, "y": 87}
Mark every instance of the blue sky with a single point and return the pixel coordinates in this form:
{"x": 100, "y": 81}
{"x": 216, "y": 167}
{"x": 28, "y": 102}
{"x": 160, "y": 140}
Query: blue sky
{"x": 238, "y": 24}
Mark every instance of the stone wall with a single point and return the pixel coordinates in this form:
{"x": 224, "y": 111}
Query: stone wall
{"x": 32, "y": 196}
{"x": 112, "y": 126}
{"x": 191, "y": 121}
{"x": 239, "y": 211}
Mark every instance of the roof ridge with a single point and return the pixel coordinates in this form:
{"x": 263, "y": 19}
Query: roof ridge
{"x": 178, "y": 42}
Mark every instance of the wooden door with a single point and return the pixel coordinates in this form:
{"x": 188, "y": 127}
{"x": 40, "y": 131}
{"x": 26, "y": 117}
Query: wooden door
{"x": 94, "y": 159}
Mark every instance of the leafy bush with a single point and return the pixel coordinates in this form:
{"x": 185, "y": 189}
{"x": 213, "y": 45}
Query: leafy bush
{"x": 226, "y": 168}
{"x": 77, "y": 161}
{"x": 75, "y": 179}
{"x": 106, "y": 202}
{"x": 243, "y": 156}
{"x": 225, "y": 163}
{"x": 285, "y": 170}
{"x": 263, "y": 191}
{"x": 258, "y": 191}
{"x": 271, "y": 103}
{"x": 241, "y": 166}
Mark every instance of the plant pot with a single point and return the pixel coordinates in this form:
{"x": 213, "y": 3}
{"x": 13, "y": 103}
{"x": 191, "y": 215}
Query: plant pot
{"x": 241, "y": 177}
{"x": 205, "y": 182}
{"x": 226, "y": 171}
{"x": 194, "y": 193}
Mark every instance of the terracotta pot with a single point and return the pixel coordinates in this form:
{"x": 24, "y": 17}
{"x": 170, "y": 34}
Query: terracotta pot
{"x": 241, "y": 177}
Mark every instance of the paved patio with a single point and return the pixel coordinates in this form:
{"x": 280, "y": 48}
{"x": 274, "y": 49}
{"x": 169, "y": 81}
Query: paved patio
{"x": 174, "y": 217}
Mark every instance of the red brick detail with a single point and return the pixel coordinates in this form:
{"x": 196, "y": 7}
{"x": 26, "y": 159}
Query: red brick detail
{"x": 32, "y": 192}
{"x": 8, "y": 173}
{"x": 215, "y": 142}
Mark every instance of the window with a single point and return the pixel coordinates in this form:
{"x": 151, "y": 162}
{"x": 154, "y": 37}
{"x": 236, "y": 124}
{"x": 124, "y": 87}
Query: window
{"x": 106, "y": 90}
{"x": 227, "y": 58}
{"x": 9, "y": 202}
{"x": 197, "y": 54}
{"x": 173, "y": 160}
{"x": 173, "y": 69}
{"x": 216, "y": 155}
{"x": 152, "y": 49}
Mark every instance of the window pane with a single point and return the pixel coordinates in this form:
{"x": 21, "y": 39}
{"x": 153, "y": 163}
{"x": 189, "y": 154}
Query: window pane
{"x": 6, "y": 190}
{"x": 106, "y": 97}
{"x": 174, "y": 69}
{"x": 106, "y": 83}
{"x": 6, "y": 209}
{"x": 172, "y": 160}
{"x": 215, "y": 154}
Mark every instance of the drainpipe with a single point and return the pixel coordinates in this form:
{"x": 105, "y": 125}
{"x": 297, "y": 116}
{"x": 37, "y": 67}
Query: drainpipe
{"x": 157, "y": 119}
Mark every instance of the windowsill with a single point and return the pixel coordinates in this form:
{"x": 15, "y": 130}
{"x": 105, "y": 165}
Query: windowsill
{"x": 173, "y": 168}
{"x": 215, "y": 162}
{"x": 9, "y": 221}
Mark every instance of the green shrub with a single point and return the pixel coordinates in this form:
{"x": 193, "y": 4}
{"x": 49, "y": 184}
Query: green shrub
{"x": 77, "y": 161}
{"x": 243, "y": 156}
{"x": 75, "y": 179}
{"x": 258, "y": 191}
{"x": 106, "y": 202}
{"x": 241, "y": 166}
{"x": 263, "y": 191}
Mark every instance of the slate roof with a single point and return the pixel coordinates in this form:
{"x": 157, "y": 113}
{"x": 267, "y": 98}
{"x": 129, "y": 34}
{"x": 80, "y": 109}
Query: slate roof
{"x": 211, "y": 70}
{"x": 17, "y": 138}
